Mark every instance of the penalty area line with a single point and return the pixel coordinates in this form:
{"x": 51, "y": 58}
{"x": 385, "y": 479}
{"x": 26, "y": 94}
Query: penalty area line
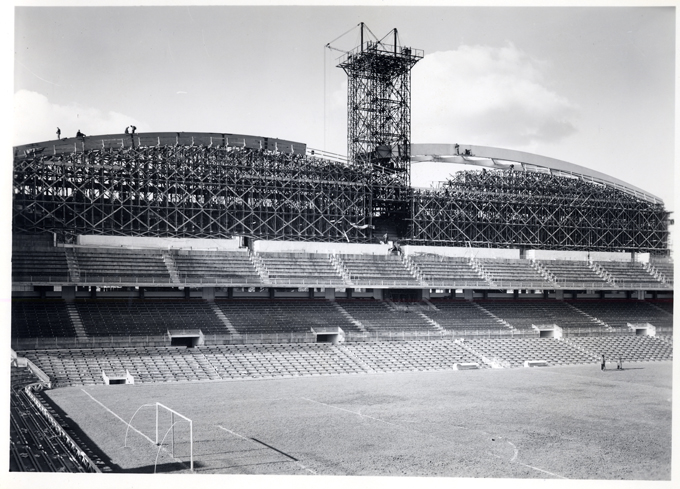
{"x": 258, "y": 442}
{"x": 541, "y": 470}
{"x": 108, "y": 410}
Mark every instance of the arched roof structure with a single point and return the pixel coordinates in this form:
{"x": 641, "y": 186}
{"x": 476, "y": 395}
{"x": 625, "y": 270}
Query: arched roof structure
{"x": 499, "y": 158}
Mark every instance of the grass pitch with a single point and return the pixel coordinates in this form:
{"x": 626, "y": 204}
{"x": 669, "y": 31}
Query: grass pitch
{"x": 572, "y": 422}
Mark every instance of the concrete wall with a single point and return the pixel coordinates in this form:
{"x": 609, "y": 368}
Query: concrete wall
{"x": 164, "y": 243}
{"x": 557, "y": 255}
{"x": 315, "y": 247}
{"x": 462, "y": 252}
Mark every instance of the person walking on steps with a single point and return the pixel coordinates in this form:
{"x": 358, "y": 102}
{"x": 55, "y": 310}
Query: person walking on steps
{"x": 604, "y": 364}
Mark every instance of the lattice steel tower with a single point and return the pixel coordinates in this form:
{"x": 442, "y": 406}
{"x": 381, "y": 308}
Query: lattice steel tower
{"x": 379, "y": 117}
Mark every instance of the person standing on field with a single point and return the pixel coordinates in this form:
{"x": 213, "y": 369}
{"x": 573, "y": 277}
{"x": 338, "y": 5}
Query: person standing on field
{"x": 604, "y": 364}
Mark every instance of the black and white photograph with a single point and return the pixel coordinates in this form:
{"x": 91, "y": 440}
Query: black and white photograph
{"x": 339, "y": 244}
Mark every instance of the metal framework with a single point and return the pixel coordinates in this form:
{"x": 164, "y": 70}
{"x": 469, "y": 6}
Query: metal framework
{"x": 379, "y": 117}
{"x": 212, "y": 190}
{"x": 512, "y": 209}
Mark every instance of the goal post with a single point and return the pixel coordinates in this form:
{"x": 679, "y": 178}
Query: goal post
{"x": 161, "y": 433}
{"x": 171, "y": 431}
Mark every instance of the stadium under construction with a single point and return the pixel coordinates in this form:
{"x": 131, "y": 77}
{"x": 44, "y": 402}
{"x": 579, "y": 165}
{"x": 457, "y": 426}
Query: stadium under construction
{"x": 127, "y": 246}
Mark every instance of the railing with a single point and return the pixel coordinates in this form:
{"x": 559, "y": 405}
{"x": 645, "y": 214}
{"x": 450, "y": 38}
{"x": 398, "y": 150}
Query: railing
{"x": 372, "y": 282}
{"x": 73, "y": 447}
{"x": 129, "y": 341}
{"x": 455, "y": 283}
{"x": 57, "y": 279}
{"x": 596, "y": 331}
{"x": 410, "y": 282}
{"x": 307, "y": 281}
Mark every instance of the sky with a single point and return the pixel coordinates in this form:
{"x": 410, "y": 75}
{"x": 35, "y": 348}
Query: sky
{"x": 591, "y": 86}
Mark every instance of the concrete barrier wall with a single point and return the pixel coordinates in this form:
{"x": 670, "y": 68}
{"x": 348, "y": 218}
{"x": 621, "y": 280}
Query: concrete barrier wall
{"x": 578, "y": 255}
{"x": 312, "y": 247}
{"x": 164, "y": 243}
{"x": 462, "y": 252}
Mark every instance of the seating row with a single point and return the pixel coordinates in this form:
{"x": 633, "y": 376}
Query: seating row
{"x": 221, "y": 362}
{"x": 199, "y": 266}
{"x": 33, "y": 318}
{"x": 34, "y": 444}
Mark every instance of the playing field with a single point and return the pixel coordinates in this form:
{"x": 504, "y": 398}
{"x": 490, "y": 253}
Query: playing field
{"x": 558, "y": 422}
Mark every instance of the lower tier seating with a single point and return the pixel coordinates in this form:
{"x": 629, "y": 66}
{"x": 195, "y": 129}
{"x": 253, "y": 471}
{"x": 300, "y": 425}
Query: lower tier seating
{"x": 629, "y": 348}
{"x": 34, "y": 444}
{"x": 513, "y": 352}
{"x": 224, "y": 362}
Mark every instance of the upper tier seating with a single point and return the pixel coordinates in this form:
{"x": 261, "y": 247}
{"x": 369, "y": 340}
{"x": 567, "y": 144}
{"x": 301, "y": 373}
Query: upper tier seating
{"x": 665, "y": 268}
{"x": 378, "y": 316}
{"x": 618, "y": 314}
{"x": 301, "y": 268}
{"x": 377, "y": 270}
{"x": 459, "y": 315}
{"x": 513, "y": 352}
{"x": 437, "y": 270}
{"x": 265, "y": 316}
{"x": 121, "y": 265}
{"x": 510, "y": 273}
{"x": 35, "y": 318}
{"x": 215, "y": 267}
{"x": 152, "y": 317}
{"x": 630, "y": 348}
{"x": 522, "y": 314}
{"x": 40, "y": 265}
{"x": 571, "y": 273}
{"x": 629, "y": 274}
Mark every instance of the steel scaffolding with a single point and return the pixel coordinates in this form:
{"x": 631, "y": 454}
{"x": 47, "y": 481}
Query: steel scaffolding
{"x": 379, "y": 118}
{"x": 181, "y": 190}
{"x": 514, "y": 209}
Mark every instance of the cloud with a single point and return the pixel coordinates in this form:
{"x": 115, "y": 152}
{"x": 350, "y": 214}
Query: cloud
{"x": 36, "y": 119}
{"x": 487, "y": 96}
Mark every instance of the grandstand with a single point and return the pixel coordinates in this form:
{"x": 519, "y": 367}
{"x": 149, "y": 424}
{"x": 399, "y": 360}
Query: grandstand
{"x": 205, "y": 257}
